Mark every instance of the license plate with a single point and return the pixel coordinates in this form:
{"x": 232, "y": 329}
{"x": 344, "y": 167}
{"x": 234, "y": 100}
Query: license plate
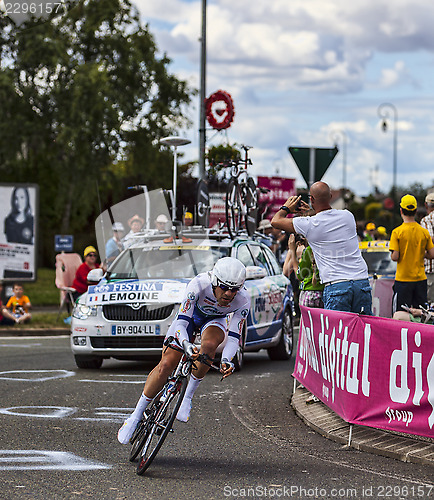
{"x": 135, "y": 330}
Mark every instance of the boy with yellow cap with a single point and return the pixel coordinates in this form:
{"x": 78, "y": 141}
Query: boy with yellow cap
{"x": 409, "y": 244}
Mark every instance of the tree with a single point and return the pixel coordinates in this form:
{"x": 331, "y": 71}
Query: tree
{"x": 85, "y": 100}
{"x": 219, "y": 158}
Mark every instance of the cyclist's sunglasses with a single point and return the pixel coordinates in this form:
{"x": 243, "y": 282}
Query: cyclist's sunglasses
{"x": 225, "y": 288}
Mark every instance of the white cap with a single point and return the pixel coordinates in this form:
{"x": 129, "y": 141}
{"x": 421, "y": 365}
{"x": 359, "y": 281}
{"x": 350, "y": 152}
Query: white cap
{"x": 118, "y": 226}
{"x": 265, "y": 224}
{"x": 162, "y": 218}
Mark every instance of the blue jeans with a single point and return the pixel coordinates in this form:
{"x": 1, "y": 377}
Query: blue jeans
{"x": 351, "y": 296}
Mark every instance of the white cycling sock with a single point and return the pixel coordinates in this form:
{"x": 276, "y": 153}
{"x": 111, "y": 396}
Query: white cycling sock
{"x": 142, "y": 403}
{"x": 193, "y": 384}
{"x": 185, "y": 408}
{"x": 130, "y": 424}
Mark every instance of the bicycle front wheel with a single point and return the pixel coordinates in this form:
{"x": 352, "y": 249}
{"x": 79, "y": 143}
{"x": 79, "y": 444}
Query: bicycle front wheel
{"x": 233, "y": 208}
{"x": 139, "y": 439}
{"x": 160, "y": 425}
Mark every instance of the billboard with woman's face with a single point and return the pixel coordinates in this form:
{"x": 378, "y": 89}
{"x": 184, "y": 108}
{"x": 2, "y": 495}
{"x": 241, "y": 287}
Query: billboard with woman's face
{"x": 18, "y": 231}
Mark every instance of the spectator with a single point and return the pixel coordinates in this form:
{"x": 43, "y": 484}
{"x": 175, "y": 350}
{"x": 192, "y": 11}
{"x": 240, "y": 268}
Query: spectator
{"x": 428, "y": 223}
{"x": 289, "y": 267}
{"x": 382, "y": 233}
{"x": 114, "y": 245}
{"x": 161, "y": 223}
{"x": 187, "y": 219}
{"x": 6, "y": 317}
{"x": 306, "y": 272}
{"x": 136, "y": 223}
{"x": 332, "y": 235}
{"x": 18, "y": 305}
{"x": 409, "y": 243}
{"x": 415, "y": 315}
{"x": 265, "y": 228}
{"x": 369, "y": 232}
{"x": 90, "y": 262}
{"x": 281, "y": 242}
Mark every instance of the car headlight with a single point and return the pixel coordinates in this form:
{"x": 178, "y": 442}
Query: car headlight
{"x": 82, "y": 311}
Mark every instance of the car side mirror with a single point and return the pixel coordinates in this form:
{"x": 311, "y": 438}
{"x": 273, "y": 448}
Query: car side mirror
{"x": 95, "y": 275}
{"x": 255, "y": 272}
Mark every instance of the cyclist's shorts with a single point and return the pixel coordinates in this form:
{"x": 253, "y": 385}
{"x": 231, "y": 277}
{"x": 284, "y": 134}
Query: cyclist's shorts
{"x": 222, "y": 323}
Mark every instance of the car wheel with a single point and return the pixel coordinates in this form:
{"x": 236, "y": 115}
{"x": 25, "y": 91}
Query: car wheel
{"x": 239, "y": 356}
{"x": 283, "y": 350}
{"x": 88, "y": 362}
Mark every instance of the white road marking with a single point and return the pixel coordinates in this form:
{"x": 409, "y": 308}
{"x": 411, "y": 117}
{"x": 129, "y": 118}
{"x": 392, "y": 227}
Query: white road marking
{"x": 21, "y": 345}
{"x": 111, "y": 381}
{"x": 35, "y": 375}
{"x": 46, "y": 460}
{"x": 103, "y": 414}
{"x": 44, "y": 411}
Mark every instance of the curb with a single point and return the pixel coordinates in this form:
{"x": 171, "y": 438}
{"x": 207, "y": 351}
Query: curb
{"x": 324, "y": 421}
{"x": 34, "y": 332}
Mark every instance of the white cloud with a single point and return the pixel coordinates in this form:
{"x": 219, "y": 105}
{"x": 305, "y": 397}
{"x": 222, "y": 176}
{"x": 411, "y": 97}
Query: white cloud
{"x": 301, "y": 69}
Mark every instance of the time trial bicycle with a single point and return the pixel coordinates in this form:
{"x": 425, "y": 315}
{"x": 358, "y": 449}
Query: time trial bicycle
{"x": 160, "y": 415}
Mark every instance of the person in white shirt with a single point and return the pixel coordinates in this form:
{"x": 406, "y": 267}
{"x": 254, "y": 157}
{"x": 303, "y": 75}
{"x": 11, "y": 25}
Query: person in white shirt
{"x": 428, "y": 223}
{"x": 333, "y": 238}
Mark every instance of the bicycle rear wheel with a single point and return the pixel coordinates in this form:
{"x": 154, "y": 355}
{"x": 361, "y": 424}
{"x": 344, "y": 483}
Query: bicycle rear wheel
{"x": 160, "y": 423}
{"x": 233, "y": 208}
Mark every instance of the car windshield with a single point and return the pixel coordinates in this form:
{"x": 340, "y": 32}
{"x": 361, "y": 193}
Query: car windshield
{"x": 166, "y": 262}
{"x": 379, "y": 262}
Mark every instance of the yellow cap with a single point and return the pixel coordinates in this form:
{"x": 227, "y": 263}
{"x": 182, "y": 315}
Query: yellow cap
{"x": 188, "y": 215}
{"x": 381, "y": 230}
{"x": 370, "y": 226}
{"x": 89, "y": 250}
{"x": 408, "y": 202}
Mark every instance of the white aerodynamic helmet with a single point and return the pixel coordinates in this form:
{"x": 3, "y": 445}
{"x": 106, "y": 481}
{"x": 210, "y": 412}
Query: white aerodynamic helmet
{"x": 228, "y": 271}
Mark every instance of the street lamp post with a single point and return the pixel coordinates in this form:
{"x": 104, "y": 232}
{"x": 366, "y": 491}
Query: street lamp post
{"x": 383, "y": 112}
{"x": 175, "y": 142}
{"x": 202, "y": 94}
{"x": 336, "y": 136}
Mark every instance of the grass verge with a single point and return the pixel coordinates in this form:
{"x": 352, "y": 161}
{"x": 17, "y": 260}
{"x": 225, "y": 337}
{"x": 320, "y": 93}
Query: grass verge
{"x": 41, "y": 320}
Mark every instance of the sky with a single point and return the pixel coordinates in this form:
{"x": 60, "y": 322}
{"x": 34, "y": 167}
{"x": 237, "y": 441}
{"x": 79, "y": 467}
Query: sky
{"x": 312, "y": 73}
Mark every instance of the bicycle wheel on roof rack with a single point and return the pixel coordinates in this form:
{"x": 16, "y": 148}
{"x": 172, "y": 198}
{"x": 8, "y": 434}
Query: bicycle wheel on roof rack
{"x": 234, "y": 213}
{"x": 252, "y": 207}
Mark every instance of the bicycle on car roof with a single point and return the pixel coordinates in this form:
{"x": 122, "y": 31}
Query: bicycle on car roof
{"x": 241, "y": 204}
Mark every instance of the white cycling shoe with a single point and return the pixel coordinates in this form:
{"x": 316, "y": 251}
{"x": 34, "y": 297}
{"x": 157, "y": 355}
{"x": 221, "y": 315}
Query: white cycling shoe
{"x": 184, "y": 410}
{"x": 127, "y": 430}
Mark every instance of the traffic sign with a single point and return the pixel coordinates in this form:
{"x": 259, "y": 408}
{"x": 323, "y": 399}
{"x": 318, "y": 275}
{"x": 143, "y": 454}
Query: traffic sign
{"x": 313, "y": 162}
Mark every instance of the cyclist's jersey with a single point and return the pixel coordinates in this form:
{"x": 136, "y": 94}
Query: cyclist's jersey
{"x": 200, "y": 307}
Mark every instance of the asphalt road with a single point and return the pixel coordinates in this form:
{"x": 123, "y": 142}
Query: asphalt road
{"x": 58, "y": 437}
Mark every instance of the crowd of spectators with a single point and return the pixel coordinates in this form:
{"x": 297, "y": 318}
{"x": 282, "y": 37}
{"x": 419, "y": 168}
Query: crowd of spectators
{"x": 324, "y": 262}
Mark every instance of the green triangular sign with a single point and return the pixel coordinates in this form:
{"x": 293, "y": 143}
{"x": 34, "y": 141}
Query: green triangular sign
{"x": 322, "y": 158}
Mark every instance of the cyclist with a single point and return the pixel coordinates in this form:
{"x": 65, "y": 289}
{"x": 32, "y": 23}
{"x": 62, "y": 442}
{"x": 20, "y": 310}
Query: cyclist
{"x": 214, "y": 302}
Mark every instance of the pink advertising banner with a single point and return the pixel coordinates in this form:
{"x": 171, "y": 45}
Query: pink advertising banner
{"x": 280, "y": 189}
{"x": 371, "y": 371}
